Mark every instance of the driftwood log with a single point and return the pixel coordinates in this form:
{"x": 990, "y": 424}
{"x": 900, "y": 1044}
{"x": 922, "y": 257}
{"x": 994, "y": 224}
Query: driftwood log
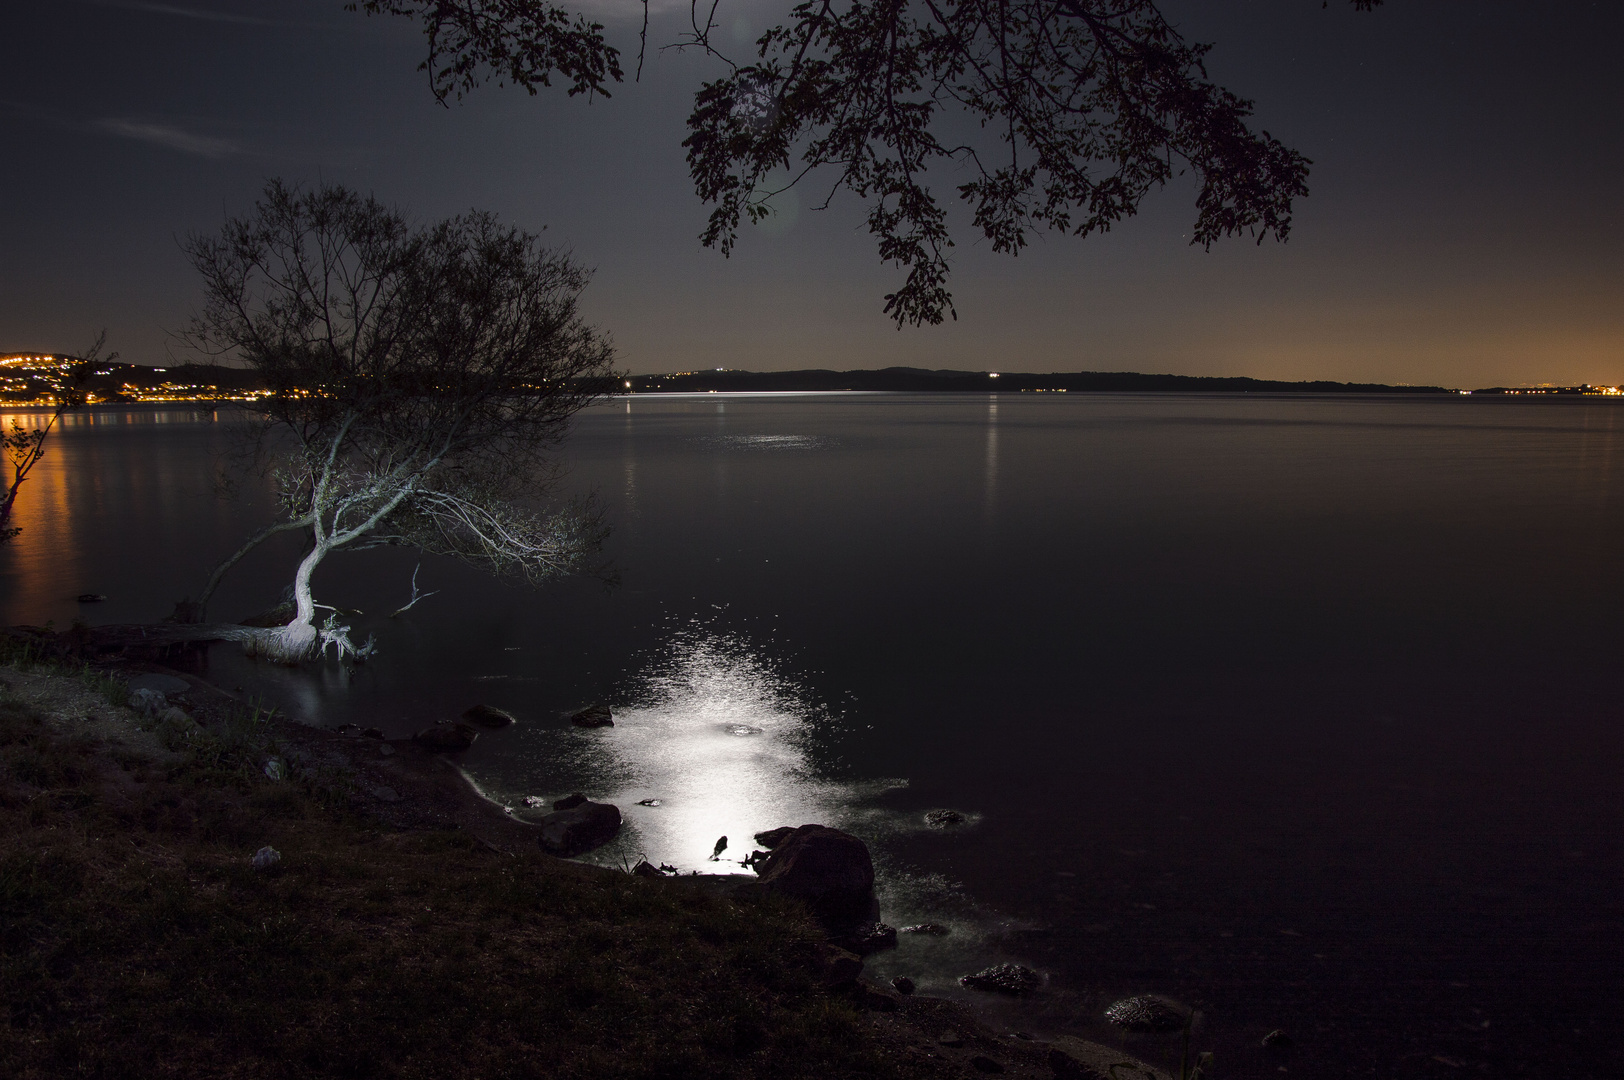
{"x": 135, "y": 640}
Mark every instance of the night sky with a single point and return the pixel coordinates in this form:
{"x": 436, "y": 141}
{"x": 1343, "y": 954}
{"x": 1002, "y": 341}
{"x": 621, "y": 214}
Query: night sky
{"x": 1464, "y": 224}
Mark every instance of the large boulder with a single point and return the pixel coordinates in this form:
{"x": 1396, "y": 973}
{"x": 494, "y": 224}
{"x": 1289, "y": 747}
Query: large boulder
{"x": 828, "y": 870}
{"x": 582, "y": 827}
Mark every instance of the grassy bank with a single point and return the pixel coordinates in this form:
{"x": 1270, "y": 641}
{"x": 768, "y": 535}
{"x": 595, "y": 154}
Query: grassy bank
{"x": 137, "y": 938}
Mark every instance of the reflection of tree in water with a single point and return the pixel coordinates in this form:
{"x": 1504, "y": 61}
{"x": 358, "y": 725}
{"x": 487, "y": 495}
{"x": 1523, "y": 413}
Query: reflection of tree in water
{"x": 719, "y": 736}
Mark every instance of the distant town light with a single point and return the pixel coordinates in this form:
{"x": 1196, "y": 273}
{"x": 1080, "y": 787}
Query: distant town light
{"x": 992, "y": 374}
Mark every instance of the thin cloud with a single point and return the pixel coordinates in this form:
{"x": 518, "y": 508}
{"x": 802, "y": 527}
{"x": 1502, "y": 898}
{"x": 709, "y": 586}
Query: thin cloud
{"x": 201, "y": 14}
{"x": 172, "y": 137}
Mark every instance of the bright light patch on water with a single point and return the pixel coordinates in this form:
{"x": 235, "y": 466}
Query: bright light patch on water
{"x": 719, "y": 737}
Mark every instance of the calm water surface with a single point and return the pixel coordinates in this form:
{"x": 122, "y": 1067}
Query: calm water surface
{"x": 1303, "y": 709}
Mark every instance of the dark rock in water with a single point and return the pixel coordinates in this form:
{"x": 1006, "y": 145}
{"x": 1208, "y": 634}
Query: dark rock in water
{"x": 593, "y": 716}
{"x": 1277, "y": 1038}
{"x": 352, "y": 730}
{"x": 983, "y": 1063}
{"x": 742, "y": 730}
{"x": 579, "y": 829}
{"x": 644, "y": 868}
{"x": 446, "y": 737}
{"x": 943, "y": 819}
{"x": 929, "y": 928}
{"x": 838, "y": 967}
{"x": 903, "y": 984}
{"x": 1004, "y": 979}
{"x": 870, "y": 938}
{"x": 828, "y": 870}
{"x": 648, "y": 802}
{"x": 372, "y": 733}
{"x": 488, "y": 716}
{"x": 773, "y": 837}
{"x": 91, "y": 598}
{"x": 1148, "y": 1012}
{"x": 569, "y": 802}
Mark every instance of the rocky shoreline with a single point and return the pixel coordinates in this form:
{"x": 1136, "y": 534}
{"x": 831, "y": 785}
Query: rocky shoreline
{"x": 411, "y": 785}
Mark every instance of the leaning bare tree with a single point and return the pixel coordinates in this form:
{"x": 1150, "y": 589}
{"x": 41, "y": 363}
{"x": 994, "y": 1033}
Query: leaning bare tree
{"x": 418, "y": 377}
{"x": 1064, "y": 114}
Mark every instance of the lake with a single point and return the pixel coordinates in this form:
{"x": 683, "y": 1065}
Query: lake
{"x": 1304, "y": 710}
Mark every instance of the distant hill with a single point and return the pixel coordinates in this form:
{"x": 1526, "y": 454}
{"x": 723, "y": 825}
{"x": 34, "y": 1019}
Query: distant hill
{"x": 914, "y": 380}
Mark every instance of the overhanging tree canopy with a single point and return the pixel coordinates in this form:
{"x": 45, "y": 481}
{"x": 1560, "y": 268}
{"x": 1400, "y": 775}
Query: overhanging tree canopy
{"x": 1067, "y": 113}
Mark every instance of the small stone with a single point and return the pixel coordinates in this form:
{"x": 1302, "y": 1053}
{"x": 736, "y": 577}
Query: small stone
{"x": 870, "y": 938}
{"x": 385, "y": 750}
{"x": 983, "y": 1063}
{"x": 875, "y": 999}
{"x": 488, "y": 716}
{"x": 569, "y": 802}
{"x": 839, "y": 967}
{"x": 943, "y": 819}
{"x": 928, "y": 928}
{"x": 582, "y": 827}
{"x": 274, "y": 771}
{"x": 446, "y": 737}
{"x": 1004, "y": 979}
{"x": 1148, "y": 1012}
{"x": 1277, "y": 1038}
{"x": 534, "y": 801}
{"x": 593, "y": 716}
{"x": 163, "y": 684}
{"x": 384, "y": 793}
{"x": 648, "y": 802}
{"x": 372, "y": 733}
{"x": 266, "y": 857}
{"x": 903, "y": 985}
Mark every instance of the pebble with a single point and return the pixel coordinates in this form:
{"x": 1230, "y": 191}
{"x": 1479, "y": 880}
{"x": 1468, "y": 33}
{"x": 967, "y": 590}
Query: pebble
{"x": 1004, "y": 978}
{"x": 1148, "y": 1012}
{"x": 930, "y": 928}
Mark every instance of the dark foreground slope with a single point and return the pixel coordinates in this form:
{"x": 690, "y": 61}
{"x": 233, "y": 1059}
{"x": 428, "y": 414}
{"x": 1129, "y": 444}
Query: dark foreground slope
{"x": 139, "y": 939}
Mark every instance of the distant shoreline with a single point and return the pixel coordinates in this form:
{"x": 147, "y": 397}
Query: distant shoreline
{"x": 920, "y": 380}
{"x": 21, "y": 385}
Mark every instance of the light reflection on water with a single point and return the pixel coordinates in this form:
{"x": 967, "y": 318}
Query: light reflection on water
{"x": 719, "y": 736}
